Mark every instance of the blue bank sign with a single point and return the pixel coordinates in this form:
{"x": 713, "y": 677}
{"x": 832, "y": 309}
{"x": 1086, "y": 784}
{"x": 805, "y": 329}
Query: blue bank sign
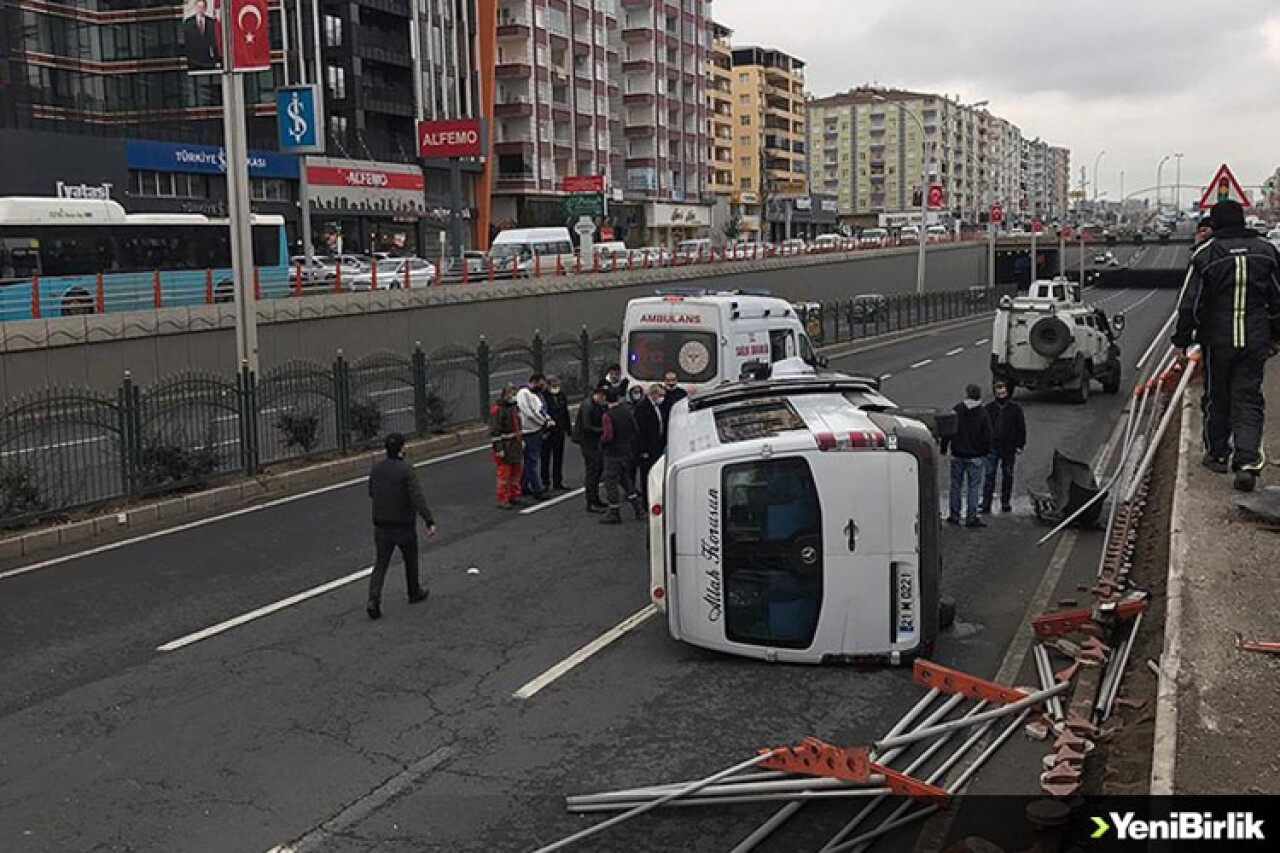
{"x": 146, "y": 155}
{"x": 298, "y": 120}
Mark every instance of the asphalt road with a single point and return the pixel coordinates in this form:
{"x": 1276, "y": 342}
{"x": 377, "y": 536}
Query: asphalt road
{"x": 404, "y": 734}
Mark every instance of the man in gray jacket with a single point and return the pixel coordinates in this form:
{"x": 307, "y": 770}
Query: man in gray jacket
{"x": 397, "y": 499}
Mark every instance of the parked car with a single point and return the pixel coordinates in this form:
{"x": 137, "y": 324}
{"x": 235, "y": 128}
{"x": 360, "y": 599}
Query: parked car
{"x": 320, "y": 270}
{"x": 691, "y": 251}
{"x": 869, "y": 308}
{"x": 937, "y": 233}
{"x": 826, "y": 242}
{"x": 794, "y": 246}
{"x": 910, "y": 234}
{"x": 874, "y": 238}
{"x": 652, "y": 256}
{"x": 607, "y": 255}
{"x": 390, "y": 274}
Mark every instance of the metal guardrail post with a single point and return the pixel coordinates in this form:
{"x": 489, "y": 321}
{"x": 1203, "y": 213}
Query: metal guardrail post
{"x": 539, "y": 352}
{"x": 130, "y": 442}
{"x": 341, "y": 390}
{"x": 420, "y": 423}
{"x": 584, "y": 351}
{"x": 482, "y": 377}
{"x": 248, "y": 421}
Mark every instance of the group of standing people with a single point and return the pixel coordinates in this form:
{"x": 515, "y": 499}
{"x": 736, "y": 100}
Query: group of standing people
{"x": 987, "y": 442}
{"x": 621, "y": 430}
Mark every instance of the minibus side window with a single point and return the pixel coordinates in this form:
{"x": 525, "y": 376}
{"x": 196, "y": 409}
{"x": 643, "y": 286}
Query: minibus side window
{"x": 806, "y": 351}
{"x": 773, "y": 565}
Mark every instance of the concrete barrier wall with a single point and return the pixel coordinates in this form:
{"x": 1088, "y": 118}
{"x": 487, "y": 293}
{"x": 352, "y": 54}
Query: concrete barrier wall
{"x": 96, "y": 351}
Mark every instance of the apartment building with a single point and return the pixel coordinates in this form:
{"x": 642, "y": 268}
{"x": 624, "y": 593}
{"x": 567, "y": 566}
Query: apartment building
{"x": 875, "y": 149}
{"x": 552, "y": 94}
{"x": 770, "y": 141}
{"x": 663, "y": 165}
{"x": 1060, "y": 186}
{"x": 720, "y": 116}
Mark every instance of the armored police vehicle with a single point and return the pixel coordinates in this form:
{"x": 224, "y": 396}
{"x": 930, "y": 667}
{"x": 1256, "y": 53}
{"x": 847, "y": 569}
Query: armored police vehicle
{"x": 1051, "y": 339}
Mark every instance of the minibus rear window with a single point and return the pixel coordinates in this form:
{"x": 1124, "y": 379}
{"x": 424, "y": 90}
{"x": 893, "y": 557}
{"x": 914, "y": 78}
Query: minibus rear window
{"x": 691, "y": 355}
{"x": 773, "y": 564}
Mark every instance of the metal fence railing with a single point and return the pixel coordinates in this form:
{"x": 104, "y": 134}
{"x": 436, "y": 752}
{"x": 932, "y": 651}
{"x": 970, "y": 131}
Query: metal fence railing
{"x": 63, "y": 449}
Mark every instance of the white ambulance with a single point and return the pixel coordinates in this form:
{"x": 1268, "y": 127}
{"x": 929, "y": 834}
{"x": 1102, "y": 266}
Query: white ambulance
{"x": 707, "y": 337}
{"x": 795, "y": 519}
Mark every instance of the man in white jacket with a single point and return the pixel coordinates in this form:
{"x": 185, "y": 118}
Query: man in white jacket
{"x": 533, "y": 421}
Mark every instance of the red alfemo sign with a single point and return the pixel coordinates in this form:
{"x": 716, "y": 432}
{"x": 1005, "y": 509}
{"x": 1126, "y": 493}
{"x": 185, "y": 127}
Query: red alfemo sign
{"x": 583, "y": 184}
{"x": 449, "y": 138}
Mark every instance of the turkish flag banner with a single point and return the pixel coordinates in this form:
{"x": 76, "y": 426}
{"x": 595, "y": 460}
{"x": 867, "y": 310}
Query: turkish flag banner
{"x": 251, "y": 40}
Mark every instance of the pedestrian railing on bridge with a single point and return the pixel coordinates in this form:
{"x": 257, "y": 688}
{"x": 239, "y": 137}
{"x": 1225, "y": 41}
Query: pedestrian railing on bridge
{"x": 65, "y": 449}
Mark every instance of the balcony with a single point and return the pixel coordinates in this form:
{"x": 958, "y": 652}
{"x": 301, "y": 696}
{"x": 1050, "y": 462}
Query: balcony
{"x": 386, "y": 100}
{"x": 384, "y": 48}
{"x": 636, "y": 35}
{"x": 513, "y": 107}
{"x": 513, "y": 70}
{"x": 640, "y": 131}
{"x": 642, "y": 64}
{"x": 514, "y": 27}
{"x": 514, "y": 146}
{"x": 399, "y": 8}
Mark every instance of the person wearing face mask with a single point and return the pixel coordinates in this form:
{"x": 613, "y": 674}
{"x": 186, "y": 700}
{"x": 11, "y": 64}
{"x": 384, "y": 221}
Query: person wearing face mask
{"x": 673, "y": 394}
{"x": 1008, "y": 438}
{"x": 618, "y": 441}
{"x": 650, "y": 434}
{"x": 508, "y": 446}
{"x": 553, "y": 439}
{"x": 635, "y": 398}
{"x": 613, "y": 376}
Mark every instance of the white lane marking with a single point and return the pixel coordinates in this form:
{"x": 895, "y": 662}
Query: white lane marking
{"x": 955, "y": 351}
{"x": 61, "y": 444}
{"x": 982, "y": 343}
{"x": 1141, "y": 301}
{"x": 221, "y": 627}
{"x": 331, "y": 830}
{"x": 885, "y": 377}
{"x": 920, "y": 364}
{"x": 548, "y": 504}
{"x": 192, "y": 525}
{"x": 633, "y": 621}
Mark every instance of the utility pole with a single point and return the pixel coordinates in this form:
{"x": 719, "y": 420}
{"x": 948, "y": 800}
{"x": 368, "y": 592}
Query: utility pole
{"x": 238, "y": 209}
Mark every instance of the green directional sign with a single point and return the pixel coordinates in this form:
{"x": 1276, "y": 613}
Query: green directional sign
{"x": 584, "y": 204}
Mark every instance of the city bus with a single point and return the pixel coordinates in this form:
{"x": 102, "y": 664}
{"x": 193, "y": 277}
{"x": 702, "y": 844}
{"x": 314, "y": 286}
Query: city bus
{"x": 65, "y": 257}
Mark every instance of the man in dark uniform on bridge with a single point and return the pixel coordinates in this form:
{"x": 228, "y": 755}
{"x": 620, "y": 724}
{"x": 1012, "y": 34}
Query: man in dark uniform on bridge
{"x": 397, "y": 503}
{"x": 1230, "y": 306}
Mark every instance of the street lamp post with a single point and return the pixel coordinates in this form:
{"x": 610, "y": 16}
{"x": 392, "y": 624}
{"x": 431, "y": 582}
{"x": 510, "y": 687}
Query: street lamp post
{"x": 1096, "y": 161}
{"x": 1159, "y": 178}
{"x": 1177, "y": 187}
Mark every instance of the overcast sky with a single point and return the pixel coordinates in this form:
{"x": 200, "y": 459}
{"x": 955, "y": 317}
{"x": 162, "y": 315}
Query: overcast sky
{"x": 1136, "y": 78}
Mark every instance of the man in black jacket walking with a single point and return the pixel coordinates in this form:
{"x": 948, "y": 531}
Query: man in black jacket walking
{"x": 1008, "y": 437}
{"x": 1230, "y": 306}
{"x": 651, "y": 440}
{"x": 397, "y": 499}
{"x": 553, "y": 442}
{"x": 618, "y": 440}
{"x": 969, "y": 448}
{"x": 587, "y": 432}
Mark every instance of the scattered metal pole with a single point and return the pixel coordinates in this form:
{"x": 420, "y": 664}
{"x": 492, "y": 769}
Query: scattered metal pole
{"x": 1046, "y": 680}
{"x": 644, "y": 808}
{"x": 1170, "y": 410}
{"x": 786, "y": 812}
{"x": 773, "y": 786}
{"x": 1124, "y": 662}
{"x": 1155, "y": 342}
{"x": 798, "y": 797}
{"x": 954, "y": 787}
{"x": 866, "y": 811}
{"x": 1028, "y": 701}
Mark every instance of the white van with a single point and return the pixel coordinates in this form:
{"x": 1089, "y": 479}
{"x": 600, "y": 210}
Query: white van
{"x": 796, "y": 519}
{"x": 605, "y": 255}
{"x": 525, "y": 244}
{"x": 707, "y": 337}
{"x": 691, "y": 251}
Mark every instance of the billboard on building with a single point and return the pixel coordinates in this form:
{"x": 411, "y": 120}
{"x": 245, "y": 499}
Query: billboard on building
{"x": 202, "y": 35}
{"x": 358, "y": 187}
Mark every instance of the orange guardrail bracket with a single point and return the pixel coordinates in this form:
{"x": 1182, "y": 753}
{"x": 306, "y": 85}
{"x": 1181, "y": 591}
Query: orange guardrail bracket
{"x": 817, "y": 758}
{"x": 929, "y": 674}
{"x": 909, "y": 786}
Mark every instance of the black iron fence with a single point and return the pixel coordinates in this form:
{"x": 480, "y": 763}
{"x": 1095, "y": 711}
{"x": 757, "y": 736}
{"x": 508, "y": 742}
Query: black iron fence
{"x": 63, "y": 449}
